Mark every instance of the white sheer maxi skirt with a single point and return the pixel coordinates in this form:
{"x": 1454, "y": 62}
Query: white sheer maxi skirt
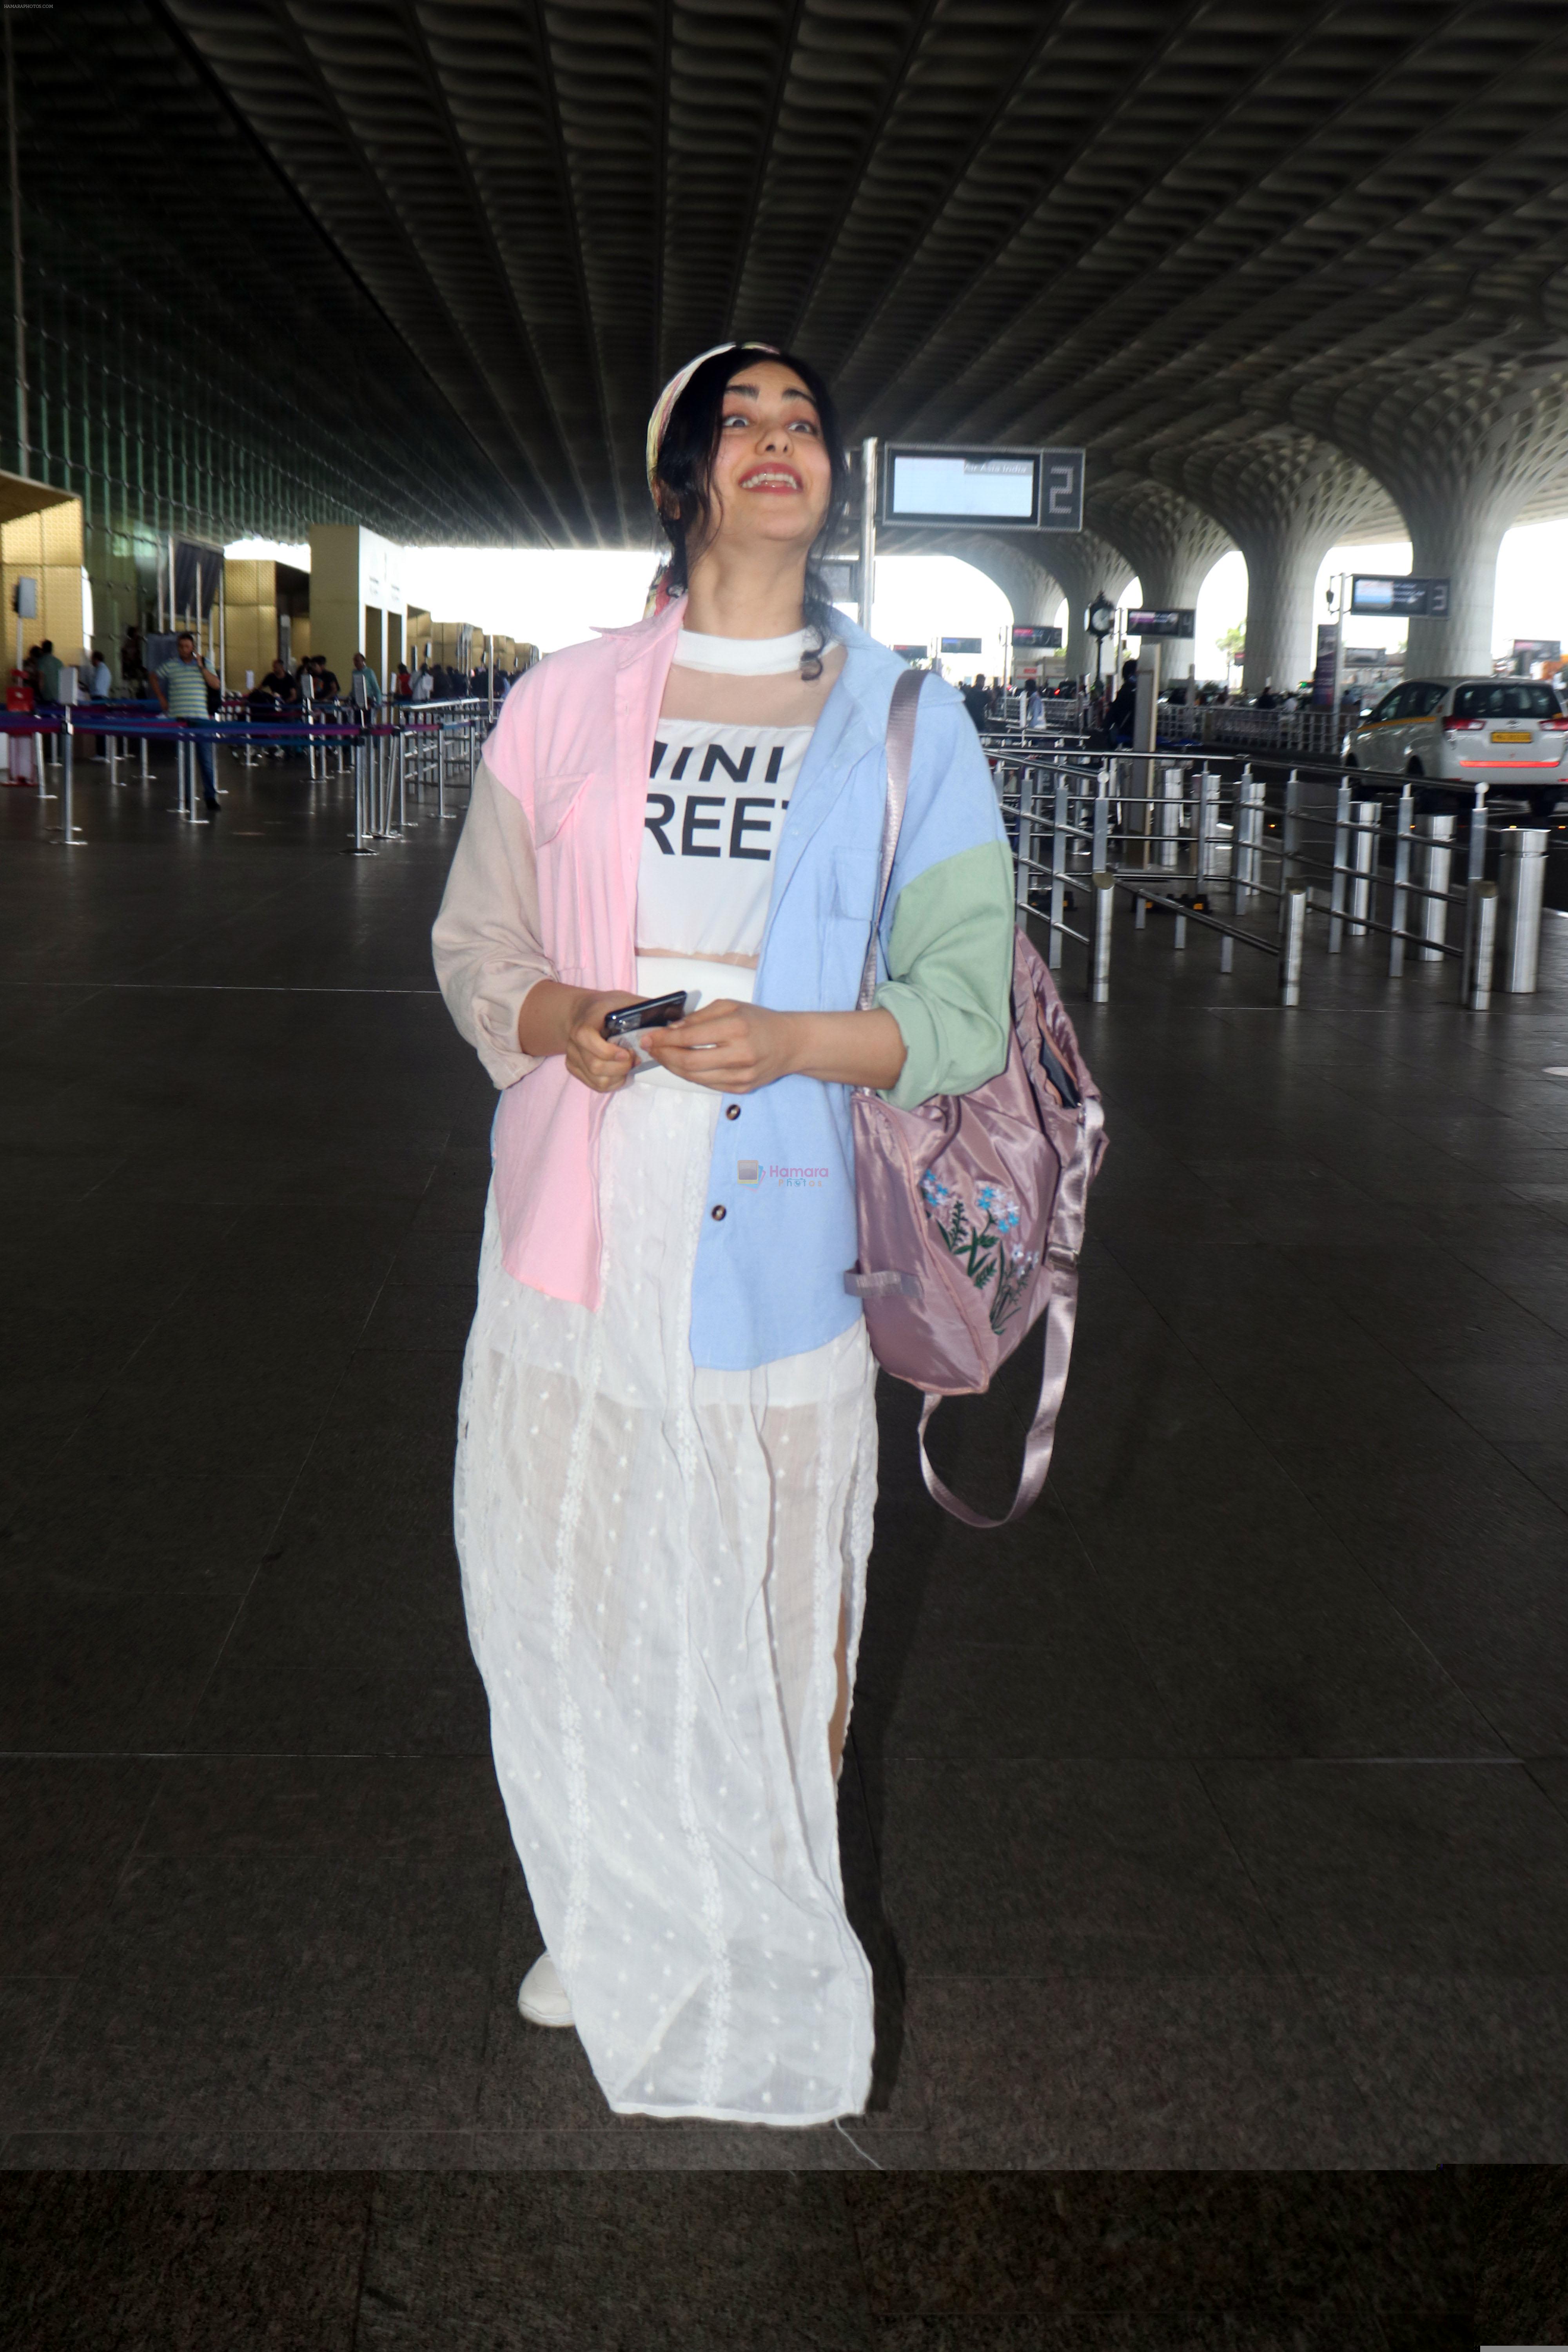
{"x": 655, "y": 1561}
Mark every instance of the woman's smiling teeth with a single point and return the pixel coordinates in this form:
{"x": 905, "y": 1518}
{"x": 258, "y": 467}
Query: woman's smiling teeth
{"x": 771, "y": 477}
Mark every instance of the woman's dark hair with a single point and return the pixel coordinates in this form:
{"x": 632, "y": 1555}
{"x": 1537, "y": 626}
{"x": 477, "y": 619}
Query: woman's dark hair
{"x": 684, "y": 495}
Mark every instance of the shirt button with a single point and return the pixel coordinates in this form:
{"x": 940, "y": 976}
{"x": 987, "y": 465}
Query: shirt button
{"x": 720, "y": 1214}
{"x": 734, "y": 1111}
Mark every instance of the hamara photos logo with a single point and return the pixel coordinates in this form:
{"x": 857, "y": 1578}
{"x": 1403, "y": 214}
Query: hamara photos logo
{"x": 753, "y": 1173}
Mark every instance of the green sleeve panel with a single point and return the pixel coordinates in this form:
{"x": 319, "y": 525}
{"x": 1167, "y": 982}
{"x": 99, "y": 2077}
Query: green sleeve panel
{"x": 950, "y": 956}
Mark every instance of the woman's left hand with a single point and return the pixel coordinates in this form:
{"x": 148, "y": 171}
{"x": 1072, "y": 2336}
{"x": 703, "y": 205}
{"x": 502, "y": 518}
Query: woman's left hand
{"x": 733, "y": 1048}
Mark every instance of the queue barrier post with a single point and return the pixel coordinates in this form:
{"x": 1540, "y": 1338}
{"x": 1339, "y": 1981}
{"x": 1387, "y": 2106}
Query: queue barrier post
{"x": 1481, "y": 943}
{"x": 68, "y": 837}
{"x": 1292, "y": 939}
{"x": 1399, "y": 916}
{"x": 1368, "y": 814}
{"x": 1099, "y": 854}
{"x": 1103, "y": 889}
{"x": 359, "y": 845}
{"x": 1341, "y": 860}
{"x": 41, "y": 761}
{"x": 1437, "y": 866}
{"x": 1522, "y": 879}
{"x": 1292, "y": 837}
{"x": 1059, "y": 877}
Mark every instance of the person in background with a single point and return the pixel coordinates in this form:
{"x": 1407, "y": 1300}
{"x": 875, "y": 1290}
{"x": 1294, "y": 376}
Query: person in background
{"x": 272, "y": 701}
{"x": 1034, "y": 709}
{"x": 181, "y": 686}
{"x": 49, "y": 668}
{"x": 19, "y": 702}
{"x": 97, "y": 684}
{"x": 973, "y": 699}
{"x": 401, "y": 683}
{"x": 327, "y": 686}
{"x": 1123, "y": 708}
{"x": 276, "y": 688}
{"x": 424, "y": 684}
{"x": 364, "y": 687}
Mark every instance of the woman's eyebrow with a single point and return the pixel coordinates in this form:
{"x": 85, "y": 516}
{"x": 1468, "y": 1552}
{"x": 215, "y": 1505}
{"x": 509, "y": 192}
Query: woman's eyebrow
{"x": 754, "y": 391}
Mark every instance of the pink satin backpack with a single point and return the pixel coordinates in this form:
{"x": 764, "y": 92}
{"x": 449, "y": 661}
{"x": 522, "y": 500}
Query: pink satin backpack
{"x": 970, "y": 1209}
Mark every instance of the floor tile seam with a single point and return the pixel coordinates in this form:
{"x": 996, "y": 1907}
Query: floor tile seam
{"x": 1342, "y": 1539}
{"x": 204, "y": 934}
{"x": 1561, "y": 1803}
{"x": 17, "y": 2095}
{"x": 194, "y": 1274}
{"x": 1121, "y": 1617}
{"x": 306, "y": 1458}
{"x": 367, "y": 2235}
{"x": 1375, "y": 1104}
{"x": 1169, "y": 1759}
{"x": 245, "y": 988}
{"x": 222, "y": 1756}
{"x": 1368, "y": 1569}
{"x": 1282, "y": 1469}
{"x": 481, "y": 2073}
{"x": 148, "y": 1336}
{"x": 1293, "y": 1971}
{"x": 107, "y": 1178}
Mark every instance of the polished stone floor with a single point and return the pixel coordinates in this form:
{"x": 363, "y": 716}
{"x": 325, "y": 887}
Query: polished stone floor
{"x": 1213, "y": 1820}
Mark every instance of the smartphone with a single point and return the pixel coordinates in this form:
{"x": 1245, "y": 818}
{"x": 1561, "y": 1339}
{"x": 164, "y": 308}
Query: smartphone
{"x": 653, "y": 1013}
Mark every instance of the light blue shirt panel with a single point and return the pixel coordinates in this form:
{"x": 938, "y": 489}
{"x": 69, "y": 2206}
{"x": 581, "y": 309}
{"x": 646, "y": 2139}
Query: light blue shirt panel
{"x": 769, "y": 1277}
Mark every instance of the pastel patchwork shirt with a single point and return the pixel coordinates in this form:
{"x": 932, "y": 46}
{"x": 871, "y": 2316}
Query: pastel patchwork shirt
{"x": 544, "y": 886}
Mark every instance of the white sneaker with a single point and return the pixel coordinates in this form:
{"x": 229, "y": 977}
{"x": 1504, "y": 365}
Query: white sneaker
{"x": 542, "y": 1996}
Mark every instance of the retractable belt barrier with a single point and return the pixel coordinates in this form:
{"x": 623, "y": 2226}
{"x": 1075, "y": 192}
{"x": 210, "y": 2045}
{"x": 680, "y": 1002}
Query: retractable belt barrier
{"x": 420, "y": 744}
{"x": 1203, "y": 842}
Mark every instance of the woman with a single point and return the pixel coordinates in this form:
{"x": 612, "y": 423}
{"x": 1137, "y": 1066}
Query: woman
{"x": 667, "y": 1450}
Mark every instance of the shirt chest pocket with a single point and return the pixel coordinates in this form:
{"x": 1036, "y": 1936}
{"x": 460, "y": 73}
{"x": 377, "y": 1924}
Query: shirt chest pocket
{"x": 555, "y": 800}
{"x": 854, "y": 892}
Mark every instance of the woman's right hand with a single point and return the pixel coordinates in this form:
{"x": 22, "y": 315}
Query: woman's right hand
{"x": 557, "y": 1019}
{"x": 590, "y": 1056}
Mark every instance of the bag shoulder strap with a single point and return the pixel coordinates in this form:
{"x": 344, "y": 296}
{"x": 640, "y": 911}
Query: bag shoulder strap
{"x": 1060, "y": 1315}
{"x": 900, "y": 748}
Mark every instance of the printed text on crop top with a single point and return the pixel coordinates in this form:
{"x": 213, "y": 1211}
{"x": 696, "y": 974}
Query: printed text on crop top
{"x": 717, "y": 795}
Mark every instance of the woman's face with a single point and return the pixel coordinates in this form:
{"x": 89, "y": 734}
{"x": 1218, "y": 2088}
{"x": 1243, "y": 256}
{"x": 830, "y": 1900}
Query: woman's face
{"x": 772, "y": 476}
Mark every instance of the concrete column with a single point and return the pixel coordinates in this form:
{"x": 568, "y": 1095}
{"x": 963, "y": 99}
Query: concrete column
{"x": 1173, "y": 544}
{"x": 1456, "y": 531}
{"x": 1286, "y": 498}
{"x": 1086, "y": 566}
{"x": 1464, "y": 458}
{"x": 352, "y": 573}
{"x": 1029, "y": 588}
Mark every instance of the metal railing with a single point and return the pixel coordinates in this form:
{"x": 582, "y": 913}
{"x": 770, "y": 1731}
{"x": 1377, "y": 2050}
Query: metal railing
{"x": 389, "y": 750}
{"x": 1203, "y": 841}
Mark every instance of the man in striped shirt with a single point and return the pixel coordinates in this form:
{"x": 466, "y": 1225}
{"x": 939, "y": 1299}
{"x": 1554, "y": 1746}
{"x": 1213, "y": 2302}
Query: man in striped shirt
{"x": 181, "y": 686}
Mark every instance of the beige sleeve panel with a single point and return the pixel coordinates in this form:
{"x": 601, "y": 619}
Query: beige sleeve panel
{"x": 486, "y": 938}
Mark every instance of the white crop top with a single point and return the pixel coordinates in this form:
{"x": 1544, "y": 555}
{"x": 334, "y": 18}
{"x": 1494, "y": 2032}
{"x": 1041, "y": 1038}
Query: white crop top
{"x": 717, "y": 795}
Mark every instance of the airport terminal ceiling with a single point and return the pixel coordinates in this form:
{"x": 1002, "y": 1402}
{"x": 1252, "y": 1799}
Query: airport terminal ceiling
{"x": 1250, "y": 255}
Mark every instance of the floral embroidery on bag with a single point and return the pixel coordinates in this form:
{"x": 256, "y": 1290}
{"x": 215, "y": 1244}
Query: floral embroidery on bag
{"x": 981, "y": 1240}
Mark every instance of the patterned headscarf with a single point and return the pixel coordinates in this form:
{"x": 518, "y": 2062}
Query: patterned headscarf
{"x": 664, "y": 407}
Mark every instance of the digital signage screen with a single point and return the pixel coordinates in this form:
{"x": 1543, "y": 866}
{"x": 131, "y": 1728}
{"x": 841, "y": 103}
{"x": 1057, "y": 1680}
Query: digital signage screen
{"x": 1007, "y": 490}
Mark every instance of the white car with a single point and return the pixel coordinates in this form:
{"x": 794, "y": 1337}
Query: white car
{"x": 1507, "y": 733}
